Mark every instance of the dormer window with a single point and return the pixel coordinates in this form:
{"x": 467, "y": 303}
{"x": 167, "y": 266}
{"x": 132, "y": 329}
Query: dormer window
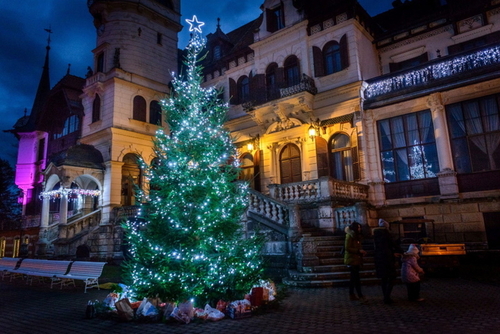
{"x": 217, "y": 52}
{"x": 275, "y": 18}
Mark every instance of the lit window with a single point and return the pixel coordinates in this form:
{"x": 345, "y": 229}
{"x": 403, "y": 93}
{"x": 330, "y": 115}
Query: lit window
{"x": 408, "y": 147}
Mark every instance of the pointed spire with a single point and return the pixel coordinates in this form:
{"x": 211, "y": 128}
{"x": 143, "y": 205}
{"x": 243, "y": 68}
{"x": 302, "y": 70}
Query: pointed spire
{"x": 43, "y": 86}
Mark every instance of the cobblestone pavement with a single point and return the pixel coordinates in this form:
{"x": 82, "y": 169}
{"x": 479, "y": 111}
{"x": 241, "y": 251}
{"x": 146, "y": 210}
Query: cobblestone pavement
{"x": 451, "y": 306}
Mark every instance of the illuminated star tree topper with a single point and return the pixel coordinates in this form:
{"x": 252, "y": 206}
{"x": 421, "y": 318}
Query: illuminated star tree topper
{"x": 194, "y": 24}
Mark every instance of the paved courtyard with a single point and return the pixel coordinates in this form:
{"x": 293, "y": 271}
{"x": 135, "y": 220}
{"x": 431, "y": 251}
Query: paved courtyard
{"x": 452, "y": 305}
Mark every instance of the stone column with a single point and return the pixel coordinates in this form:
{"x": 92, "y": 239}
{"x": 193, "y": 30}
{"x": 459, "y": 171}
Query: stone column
{"x": 448, "y": 184}
{"x": 111, "y": 189}
{"x": 44, "y": 217}
{"x": 63, "y": 210}
{"x": 373, "y": 173}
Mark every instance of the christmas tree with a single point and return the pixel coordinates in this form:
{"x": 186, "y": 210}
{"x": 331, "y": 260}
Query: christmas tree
{"x": 188, "y": 241}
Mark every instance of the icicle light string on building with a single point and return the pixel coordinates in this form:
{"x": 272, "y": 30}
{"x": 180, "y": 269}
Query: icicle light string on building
{"x": 59, "y": 193}
{"x": 437, "y": 71}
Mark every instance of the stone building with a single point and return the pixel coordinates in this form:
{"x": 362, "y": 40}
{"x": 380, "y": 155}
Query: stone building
{"x": 338, "y": 117}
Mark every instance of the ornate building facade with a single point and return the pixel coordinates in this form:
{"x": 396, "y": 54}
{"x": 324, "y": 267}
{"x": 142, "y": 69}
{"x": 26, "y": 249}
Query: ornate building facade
{"x": 338, "y": 117}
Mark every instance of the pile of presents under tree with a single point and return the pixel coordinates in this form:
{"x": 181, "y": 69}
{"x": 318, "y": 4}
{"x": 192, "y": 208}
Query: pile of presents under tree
{"x": 118, "y": 305}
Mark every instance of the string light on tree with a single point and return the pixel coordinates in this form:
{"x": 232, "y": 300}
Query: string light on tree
{"x": 188, "y": 241}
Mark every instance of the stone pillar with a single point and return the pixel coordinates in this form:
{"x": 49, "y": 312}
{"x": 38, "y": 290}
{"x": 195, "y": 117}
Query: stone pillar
{"x": 306, "y": 254}
{"x": 63, "y": 210}
{"x": 373, "y": 174}
{"x": 448, "y": 184}
{"x": 44, "y": 218}
{"x": 440, "y": 131}
{"x": 111, "y": 189}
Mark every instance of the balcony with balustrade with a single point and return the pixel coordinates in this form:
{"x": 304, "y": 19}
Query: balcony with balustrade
{"x": 441, "y": 73}
{"x": 262, "y": 95}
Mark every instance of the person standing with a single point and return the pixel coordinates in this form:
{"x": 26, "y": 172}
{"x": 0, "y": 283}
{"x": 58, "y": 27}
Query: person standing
{"x": 386, "y": 251}
{"x": 353, "y": 258}
{"x": 410, "y": 273}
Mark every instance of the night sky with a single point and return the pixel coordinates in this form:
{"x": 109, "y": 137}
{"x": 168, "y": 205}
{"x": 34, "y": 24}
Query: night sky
{"x": 24, "y": 39}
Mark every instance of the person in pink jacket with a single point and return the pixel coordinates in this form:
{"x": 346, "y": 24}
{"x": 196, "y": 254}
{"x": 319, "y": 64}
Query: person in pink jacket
{"x": 410, "y": 273}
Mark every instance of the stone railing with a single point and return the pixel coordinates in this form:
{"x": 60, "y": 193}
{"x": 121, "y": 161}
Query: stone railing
{"x": 264, "y": 95}
{"x": 433, "y": 71}
{"x": 319, "y": 189}
{"x": 98, "y": 77}
{"x": 269, "y": 208}
{"x": 306, "y": 84}
{"x": 84, "y": 223}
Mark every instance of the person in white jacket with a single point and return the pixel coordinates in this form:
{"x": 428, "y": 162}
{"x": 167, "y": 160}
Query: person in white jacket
{"x": 410, "y": 273}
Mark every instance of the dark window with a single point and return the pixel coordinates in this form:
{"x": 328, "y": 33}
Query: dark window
{"x": 475, "y": 43}
{"x": 474, "y": 127}
{"x": 290, "y": 167}
{"x": 100, "y": 62}
{"x": 292, "y": 71}
{"x": 72, "y": 124}
{"x": 217, "y": 52}
{"x": 41, "y": 149}
{"x": 131, "y": 179}
{"x": 407, "y": 147}
{"x": 139, "y": 112}
{"x": 96, "y": 109}
{"x": 155, "y": 113}
{"x": 159, "y": 38}
{"x": 275, "y": 18}
{"x": 247, "y": 169}
{"x": 272, "y": 81}
{"x": 409, "y": 63}
{"x": 332, "y": 59}
{"x": 243, "y": 89}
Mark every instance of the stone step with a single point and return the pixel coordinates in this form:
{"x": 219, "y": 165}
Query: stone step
{"x": 335, "y": 267}
{"x": 330, "y": 283}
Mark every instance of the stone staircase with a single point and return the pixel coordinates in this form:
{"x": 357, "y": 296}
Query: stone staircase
{"x": 331, "y": 270}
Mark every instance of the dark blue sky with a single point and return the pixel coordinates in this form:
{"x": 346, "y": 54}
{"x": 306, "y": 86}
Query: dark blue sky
{"x": 23, "y": 41}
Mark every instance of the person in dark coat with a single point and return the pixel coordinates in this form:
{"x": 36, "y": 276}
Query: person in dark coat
{"x": 386, "y": 251}
{"x": 353, "y": 258}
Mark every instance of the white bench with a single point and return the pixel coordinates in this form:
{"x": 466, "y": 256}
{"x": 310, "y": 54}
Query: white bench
{"x": 7, "y": 264}
{"x": 31, "y": 268}
{"x": 88, "y": 272}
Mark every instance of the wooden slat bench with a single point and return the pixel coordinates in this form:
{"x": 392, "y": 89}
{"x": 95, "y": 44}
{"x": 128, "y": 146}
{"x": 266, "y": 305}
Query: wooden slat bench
{"x": 31, "y": 268}
{"x": 7, "y": 264}
{"x": 88, "y": 272}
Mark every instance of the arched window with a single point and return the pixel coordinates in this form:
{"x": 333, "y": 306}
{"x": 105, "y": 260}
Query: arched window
{"x": 139, "y": 112}
{"x": 334, "y": 57}
{"x": 272, "y": 81}
{"x": 131, "y": 178}
{"x": 247, "y": 169}
{"x": 155, "y": 113}
{"x": 331, "y": 54}
{"x": 17, "y": 244}
{"x": 292, "y": 71}
{"x": 96, "y": 109}
{"x": 55, "y": 204}
{"x": 3, "y": 243}
{"x": 341, "y": 157}
{"x": 243, "y": 89}
{"x": 290, "y": 166}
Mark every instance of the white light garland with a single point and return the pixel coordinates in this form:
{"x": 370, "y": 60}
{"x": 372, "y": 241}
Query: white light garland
{"x": 64, "y": 192}
{"x": 444, "y": 69}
